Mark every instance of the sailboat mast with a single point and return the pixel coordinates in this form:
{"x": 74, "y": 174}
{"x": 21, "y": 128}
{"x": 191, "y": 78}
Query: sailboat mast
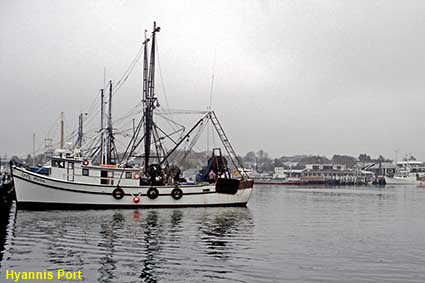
{"x": 149, "y": 92}
{"x": 102, "y": 144}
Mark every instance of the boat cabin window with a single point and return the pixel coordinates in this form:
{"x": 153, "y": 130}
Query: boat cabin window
{"x": 128, "y": 175}
{"x": 106, "y": 177}
{"x": 57, "y": 163}
{"x": 85, "y": 172}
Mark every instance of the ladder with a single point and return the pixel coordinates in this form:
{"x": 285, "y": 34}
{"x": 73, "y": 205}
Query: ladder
{"x": 229, "y": 149}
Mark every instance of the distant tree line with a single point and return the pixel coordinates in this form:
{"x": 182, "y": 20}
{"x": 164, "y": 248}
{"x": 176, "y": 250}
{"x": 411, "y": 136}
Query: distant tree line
{"x": 262, "y": 161}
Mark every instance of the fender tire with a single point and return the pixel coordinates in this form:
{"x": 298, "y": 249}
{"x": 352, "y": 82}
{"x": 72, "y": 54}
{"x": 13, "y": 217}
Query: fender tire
{"x": 177, "y": 193}
{"x": 152, "y": 193}
{"x": 118, "y": 193}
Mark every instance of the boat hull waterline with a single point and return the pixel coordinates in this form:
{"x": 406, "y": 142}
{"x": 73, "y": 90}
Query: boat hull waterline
{"x": 409, "y": 180}
{"x": 34, "y": 189}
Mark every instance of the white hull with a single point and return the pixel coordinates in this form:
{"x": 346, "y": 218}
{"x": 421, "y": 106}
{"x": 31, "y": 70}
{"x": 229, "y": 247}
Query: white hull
{"x": 409, "y": 180}
{"x": 34, "y": 190}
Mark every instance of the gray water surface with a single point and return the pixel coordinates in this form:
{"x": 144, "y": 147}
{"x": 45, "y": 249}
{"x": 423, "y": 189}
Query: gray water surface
{"x": 286, "y": 234}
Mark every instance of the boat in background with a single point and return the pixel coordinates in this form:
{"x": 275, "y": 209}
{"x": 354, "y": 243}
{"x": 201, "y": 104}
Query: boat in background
{"x": 407, "y": 172}
{"x": 401, "y": 180}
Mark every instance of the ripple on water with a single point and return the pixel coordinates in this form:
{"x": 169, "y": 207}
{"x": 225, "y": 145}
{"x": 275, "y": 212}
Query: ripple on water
{"x": 353, "y": 234}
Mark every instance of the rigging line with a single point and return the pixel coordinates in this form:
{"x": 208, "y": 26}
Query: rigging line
{"x": 117, "y": 87}
{"x": 131, "y": 66}
{"x": 89, "y": 148}
{"x": 93, "y": 144}
{"x": 172, "y": 121}
{"x": 93, "y": 156}
{"x": 133, "y": 139}
{"x": 182, "y": 139}
{"x": 182, "y": 111}
{"x": 92, "y": 105}
{"x": 193, "y": 142}
{"x": 92, "y": 116}
{"x": 161, "y": 77}
{"x": 130, "y": 113}
{"x": 123, "y": 132}
{"x": 212, "y": 82}
{"x": 160, "y": 145}
{"x": 209, "y": 127}
{"x": 155, "y": 142}
{"x": 169, "y": 121}
{"x": 54, "y": 126}
{"x": 168, "y": 135}
{"x": 129, "y": 70}
{"x": 208, "y": 135}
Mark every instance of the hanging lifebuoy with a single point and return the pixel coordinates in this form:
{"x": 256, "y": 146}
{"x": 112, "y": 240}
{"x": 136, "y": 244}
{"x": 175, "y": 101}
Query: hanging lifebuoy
{"x": 136, "y": 199}
{"x": 118, "y": 193}
{"x": 85, "y": 162}
{"x": 177, "y": 193}
{"x": 136, "y": 175}
{"x": 153, "y": 193}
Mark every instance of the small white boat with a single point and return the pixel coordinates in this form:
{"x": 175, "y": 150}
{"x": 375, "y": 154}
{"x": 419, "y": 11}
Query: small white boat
{"x": 104, "y": 181}
{"x": 408, "y": 172}
{"x": 401, "y": 180}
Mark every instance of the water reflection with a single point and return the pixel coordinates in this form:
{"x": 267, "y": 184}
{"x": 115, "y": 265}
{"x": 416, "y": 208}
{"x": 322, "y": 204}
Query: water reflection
{"x": 152, "y": 238}
{"x": 218, "y": 231}
{"x": 4, "y": 221}
{"x": 129, "y": 245}
{"x": 358, "y": 234}
{"x": 109, "y": 233}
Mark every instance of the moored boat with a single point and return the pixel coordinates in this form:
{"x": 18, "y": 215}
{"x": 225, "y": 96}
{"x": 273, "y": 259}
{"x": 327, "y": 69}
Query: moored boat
{"x": 401, "y": 180}
{"x": 408, "y": 172}
{"x": 101, "y": 180}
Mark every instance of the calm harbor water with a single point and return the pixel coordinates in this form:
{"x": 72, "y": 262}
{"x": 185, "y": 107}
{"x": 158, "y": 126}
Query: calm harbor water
{"x": 286, "y": 234}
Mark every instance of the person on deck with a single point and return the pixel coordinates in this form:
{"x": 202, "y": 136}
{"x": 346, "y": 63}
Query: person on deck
{"x": 212, "y": 176}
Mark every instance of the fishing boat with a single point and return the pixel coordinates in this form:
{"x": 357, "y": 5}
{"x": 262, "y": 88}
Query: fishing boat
{"x": 407, "y": 172}
{"x": 99, "y": 179}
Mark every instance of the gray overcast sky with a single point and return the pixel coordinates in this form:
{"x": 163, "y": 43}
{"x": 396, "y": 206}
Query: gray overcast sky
{"x": 318, "y": 77}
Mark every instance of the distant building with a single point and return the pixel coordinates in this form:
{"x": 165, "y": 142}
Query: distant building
{"x": 284, "y": 173}
{"x": 4, "y": 164}
{"x": 413, "y": 166}
{"x": 322, "y": 173}
{"x": 290, "y": 164}
{"x": 382, "y": 168}
{"x": 321, "y": 167}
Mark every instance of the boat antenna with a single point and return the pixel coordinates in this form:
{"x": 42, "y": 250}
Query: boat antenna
{"x": 149, "y": 94}
{"x": 212, "y": 82}
{"x": 210, "y": 106}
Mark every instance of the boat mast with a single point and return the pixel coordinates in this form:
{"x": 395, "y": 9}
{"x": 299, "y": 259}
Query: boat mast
{"x": 149, "y": 94}
{"x": 62, "y": 138}
{"x": 109, "y": 137}
{"x": 101, "y": 128}
{"x": 33, "y": 149}
{"x": 80, "y": 131}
